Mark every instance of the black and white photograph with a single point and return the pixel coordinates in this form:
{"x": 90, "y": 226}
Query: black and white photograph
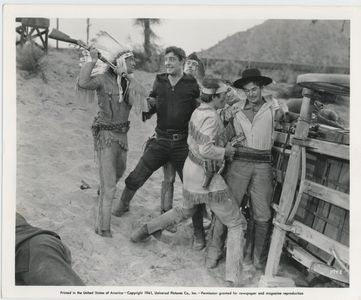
{"x": 180, "y": 151}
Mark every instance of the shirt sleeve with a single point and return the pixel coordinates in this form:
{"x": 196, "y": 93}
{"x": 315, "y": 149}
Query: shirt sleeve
{"x": 208, "y": 149}
{"x": 85, "y": 80}
{"x": 278, "y": 109}
{"x": 197, "y": 91}
{"x": 153, "y": 92}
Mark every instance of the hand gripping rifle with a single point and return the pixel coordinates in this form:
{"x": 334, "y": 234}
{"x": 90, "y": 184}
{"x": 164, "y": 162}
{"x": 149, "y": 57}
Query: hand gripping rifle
{"x": 60, "y": 36}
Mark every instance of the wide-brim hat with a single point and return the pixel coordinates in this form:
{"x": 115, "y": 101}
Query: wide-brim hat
{"x": 251, "y": 75}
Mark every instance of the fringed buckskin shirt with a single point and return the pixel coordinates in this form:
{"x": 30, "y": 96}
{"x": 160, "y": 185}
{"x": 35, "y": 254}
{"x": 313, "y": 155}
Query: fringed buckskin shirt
{"x": 110, "y": 110}
{"x": 206, "y": 140}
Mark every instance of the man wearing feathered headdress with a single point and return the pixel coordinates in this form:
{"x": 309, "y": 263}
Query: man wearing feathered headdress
{"x": 117, "y": 92}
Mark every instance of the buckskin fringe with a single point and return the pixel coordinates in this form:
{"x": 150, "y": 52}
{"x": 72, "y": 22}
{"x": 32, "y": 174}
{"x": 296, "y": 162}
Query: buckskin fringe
{"x": 199, "y": 137}
{"x": 198, "y": 198}
{"x": 105, "y": 139}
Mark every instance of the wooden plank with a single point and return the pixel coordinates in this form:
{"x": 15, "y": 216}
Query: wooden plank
{"x": 345, "y": 234}
{"x": 344, "y": 178}
{"x": 323, "y": 210}
{"x": 344, "y": 183}
{"x": 325, "y": 147}
{"x": 310, "y": 206}
{"x": 35, "y": 22}
{"x": 332, "y": 134}
{"x": 280, "y": 150}
{"x": 275, "y": 281}
{"x": 312, "y": 263}
{"x": 336, "y": 214}
{"x": 300, "y": 254}
{"x": 289, "y": 187}
{"x": 280, "y": 137}
{"x": 327, "y": 194}
{"x": 325, "y": 219}
{"x": 318, "y": 146}
{"x": 311, "y": 162}
{"x": 321, "y": 241}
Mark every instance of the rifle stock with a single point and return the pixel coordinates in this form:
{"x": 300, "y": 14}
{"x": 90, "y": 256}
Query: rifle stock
{"x": 61, "y": 36}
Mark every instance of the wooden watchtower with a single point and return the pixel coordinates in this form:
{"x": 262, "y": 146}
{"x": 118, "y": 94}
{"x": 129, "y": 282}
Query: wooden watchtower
{"x": 32, "y": 28}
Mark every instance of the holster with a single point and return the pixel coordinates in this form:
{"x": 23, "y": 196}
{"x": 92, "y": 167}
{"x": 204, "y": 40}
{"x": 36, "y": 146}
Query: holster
{"x": 207, "y": 179}
{"x": 210, "y": 167}
{"x": 148, "y": 142}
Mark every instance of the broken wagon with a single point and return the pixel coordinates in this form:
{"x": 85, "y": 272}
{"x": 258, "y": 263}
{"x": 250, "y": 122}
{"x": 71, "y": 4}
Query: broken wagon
{"x": 311, "y": 164}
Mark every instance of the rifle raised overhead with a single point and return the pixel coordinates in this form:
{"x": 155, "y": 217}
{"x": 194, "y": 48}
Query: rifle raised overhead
{"x": 61, "y": 36}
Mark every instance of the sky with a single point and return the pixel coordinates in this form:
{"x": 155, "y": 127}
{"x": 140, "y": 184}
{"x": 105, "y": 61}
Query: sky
{"x": 191, "y": 35}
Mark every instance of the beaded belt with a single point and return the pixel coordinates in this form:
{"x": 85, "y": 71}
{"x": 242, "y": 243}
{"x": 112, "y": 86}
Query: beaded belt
{"x": 122, "y": 127}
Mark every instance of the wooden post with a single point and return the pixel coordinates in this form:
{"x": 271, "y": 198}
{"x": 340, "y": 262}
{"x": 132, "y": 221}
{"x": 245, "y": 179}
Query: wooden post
{"x": 57, "y": 28}
{"x": 87, "y": 30}
{"x": 289, "y": 187}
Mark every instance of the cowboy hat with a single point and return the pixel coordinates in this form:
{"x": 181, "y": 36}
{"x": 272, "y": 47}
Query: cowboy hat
{"x": 250, "y": 75}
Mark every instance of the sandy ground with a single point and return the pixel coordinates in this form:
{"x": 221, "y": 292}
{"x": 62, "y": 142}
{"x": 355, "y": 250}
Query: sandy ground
{"x": 55, "y": 153}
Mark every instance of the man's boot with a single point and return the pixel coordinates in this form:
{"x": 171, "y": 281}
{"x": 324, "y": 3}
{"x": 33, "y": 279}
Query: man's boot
{"x": 123, "y": 205}
{"x": 166, "y": 201}
{"x": 140, "y": 234}
{"x": 262, "y": 238}
{"x": 199, "y": 241}
{"x": 155, "y": 226}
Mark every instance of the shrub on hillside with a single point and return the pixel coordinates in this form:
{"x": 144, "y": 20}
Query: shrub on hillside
{"x": 228, "y": 70}
{"x": 149, "y": 64}
{"x": 29, "y": 58}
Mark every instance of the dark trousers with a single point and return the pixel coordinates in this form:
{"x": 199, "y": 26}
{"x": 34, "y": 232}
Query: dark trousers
{"x": 158, "y": 153}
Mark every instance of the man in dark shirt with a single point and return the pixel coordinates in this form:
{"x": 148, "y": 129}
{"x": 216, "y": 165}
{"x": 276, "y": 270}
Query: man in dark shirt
{"x": 173, "y": 99}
